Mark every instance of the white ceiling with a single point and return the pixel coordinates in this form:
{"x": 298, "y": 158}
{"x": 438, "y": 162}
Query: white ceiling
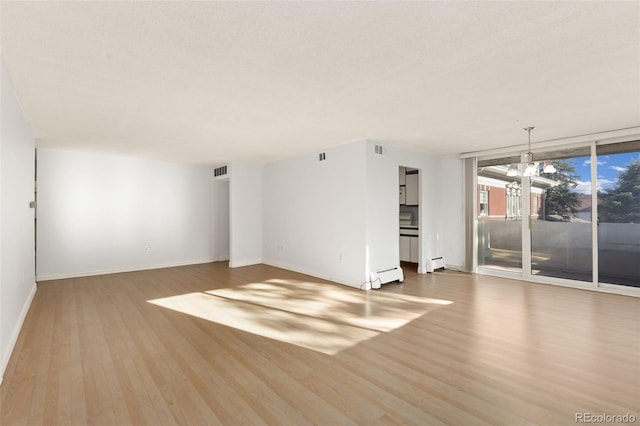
{"x": 208, "y": 82}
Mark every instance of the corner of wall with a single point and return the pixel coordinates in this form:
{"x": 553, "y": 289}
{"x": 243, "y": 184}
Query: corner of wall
{"x": 6, "y": 356}
{"x": 17, "y": 264}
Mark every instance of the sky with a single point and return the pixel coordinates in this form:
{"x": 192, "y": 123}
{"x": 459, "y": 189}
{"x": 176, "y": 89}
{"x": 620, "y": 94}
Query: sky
{"x": 609, "y": 167}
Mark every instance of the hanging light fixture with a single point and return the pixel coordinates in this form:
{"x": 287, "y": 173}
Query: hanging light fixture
{"x": 530, "y": 170}
{"x": 512, "y": 171}
{"x": 548, "y": 167}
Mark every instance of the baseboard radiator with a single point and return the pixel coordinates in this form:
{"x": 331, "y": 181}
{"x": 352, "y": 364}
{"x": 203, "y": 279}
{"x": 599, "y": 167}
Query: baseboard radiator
{"x": 386, "y": 276}
{"x": 437, "y": 263}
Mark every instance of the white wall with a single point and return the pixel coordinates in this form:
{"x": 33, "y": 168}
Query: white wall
{"x": 315, "y": 214}
{"x": 383, "y": 205}
{"x": 101, "y": 214}
{"x": 440, "y": 213}
{"x": 338, "y": 219}
{"x": 245, "y": 198}
{"x": 17, "y": 265}
{"x": 383, "y": 208}
{"x": 451, "y": 209}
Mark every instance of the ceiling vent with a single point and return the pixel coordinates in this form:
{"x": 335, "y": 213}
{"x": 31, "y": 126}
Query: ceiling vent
{"x": 220, "y": 172}
{"x": 322, "y": 156}
{"x": 379, "y": 149}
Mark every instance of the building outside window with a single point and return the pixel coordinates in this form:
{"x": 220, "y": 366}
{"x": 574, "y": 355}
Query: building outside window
{"x": 484, "y": 202}
{"x": 514, "y": 200}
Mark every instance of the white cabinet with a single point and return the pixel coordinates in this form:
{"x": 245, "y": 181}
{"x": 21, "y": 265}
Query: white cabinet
{"x": 409, "y": 251}
{"x": 402, "y": 176}
{"x": 414, "y": 249}
{"x": 405, "y": 248}
{"x": 403, "y": 198}
{"x": 411, "y": 190}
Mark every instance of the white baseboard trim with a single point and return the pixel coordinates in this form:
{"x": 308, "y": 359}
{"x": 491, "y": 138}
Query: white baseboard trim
{"x": 316, "y": 274}
{"x": 240, "y": 264}
{"x": 16, "y": 331}
{"x": 49, "y": 277}
{"x": 458, "y": 268}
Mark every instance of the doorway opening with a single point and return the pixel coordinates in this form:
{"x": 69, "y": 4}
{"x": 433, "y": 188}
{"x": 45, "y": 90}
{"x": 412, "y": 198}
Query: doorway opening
{"x": 221, "y": 228}
{"x": 409, "y": 217}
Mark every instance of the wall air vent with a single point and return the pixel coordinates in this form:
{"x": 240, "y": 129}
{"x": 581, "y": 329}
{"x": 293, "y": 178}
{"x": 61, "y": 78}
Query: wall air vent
{"x": 220, "y": 172}
{"x": 322, "y": 156}
{"x": 379, "y": 149}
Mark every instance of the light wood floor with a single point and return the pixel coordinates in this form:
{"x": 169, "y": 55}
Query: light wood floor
{"x": 205, "y": 344}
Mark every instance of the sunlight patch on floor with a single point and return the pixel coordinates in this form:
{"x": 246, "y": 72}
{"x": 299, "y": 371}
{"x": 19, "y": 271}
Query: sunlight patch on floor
{"x": 321, "y": 317}
{"x": 378, "y": 311}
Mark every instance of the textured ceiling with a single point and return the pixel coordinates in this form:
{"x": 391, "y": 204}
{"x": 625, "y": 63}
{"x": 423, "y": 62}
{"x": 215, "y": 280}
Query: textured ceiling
{"x": 208, "y": 82}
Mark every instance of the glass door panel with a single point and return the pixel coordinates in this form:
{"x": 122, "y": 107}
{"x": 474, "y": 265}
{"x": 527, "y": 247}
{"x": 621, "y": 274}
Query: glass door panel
{"x": 560, "y": 215}
{"x": 619, "y": 214}
{"x": 499, "y": 216}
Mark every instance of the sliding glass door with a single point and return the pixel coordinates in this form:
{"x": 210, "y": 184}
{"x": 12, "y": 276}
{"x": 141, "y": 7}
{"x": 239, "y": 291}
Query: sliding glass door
{"x": 561, "y": 242}
{"x": 499, "y": 217}
{"x": 619, "y": 214}
{"x": 553, "y": 224}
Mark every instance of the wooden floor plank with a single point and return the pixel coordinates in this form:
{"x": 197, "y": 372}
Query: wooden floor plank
{"x": 442, "y": 348}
